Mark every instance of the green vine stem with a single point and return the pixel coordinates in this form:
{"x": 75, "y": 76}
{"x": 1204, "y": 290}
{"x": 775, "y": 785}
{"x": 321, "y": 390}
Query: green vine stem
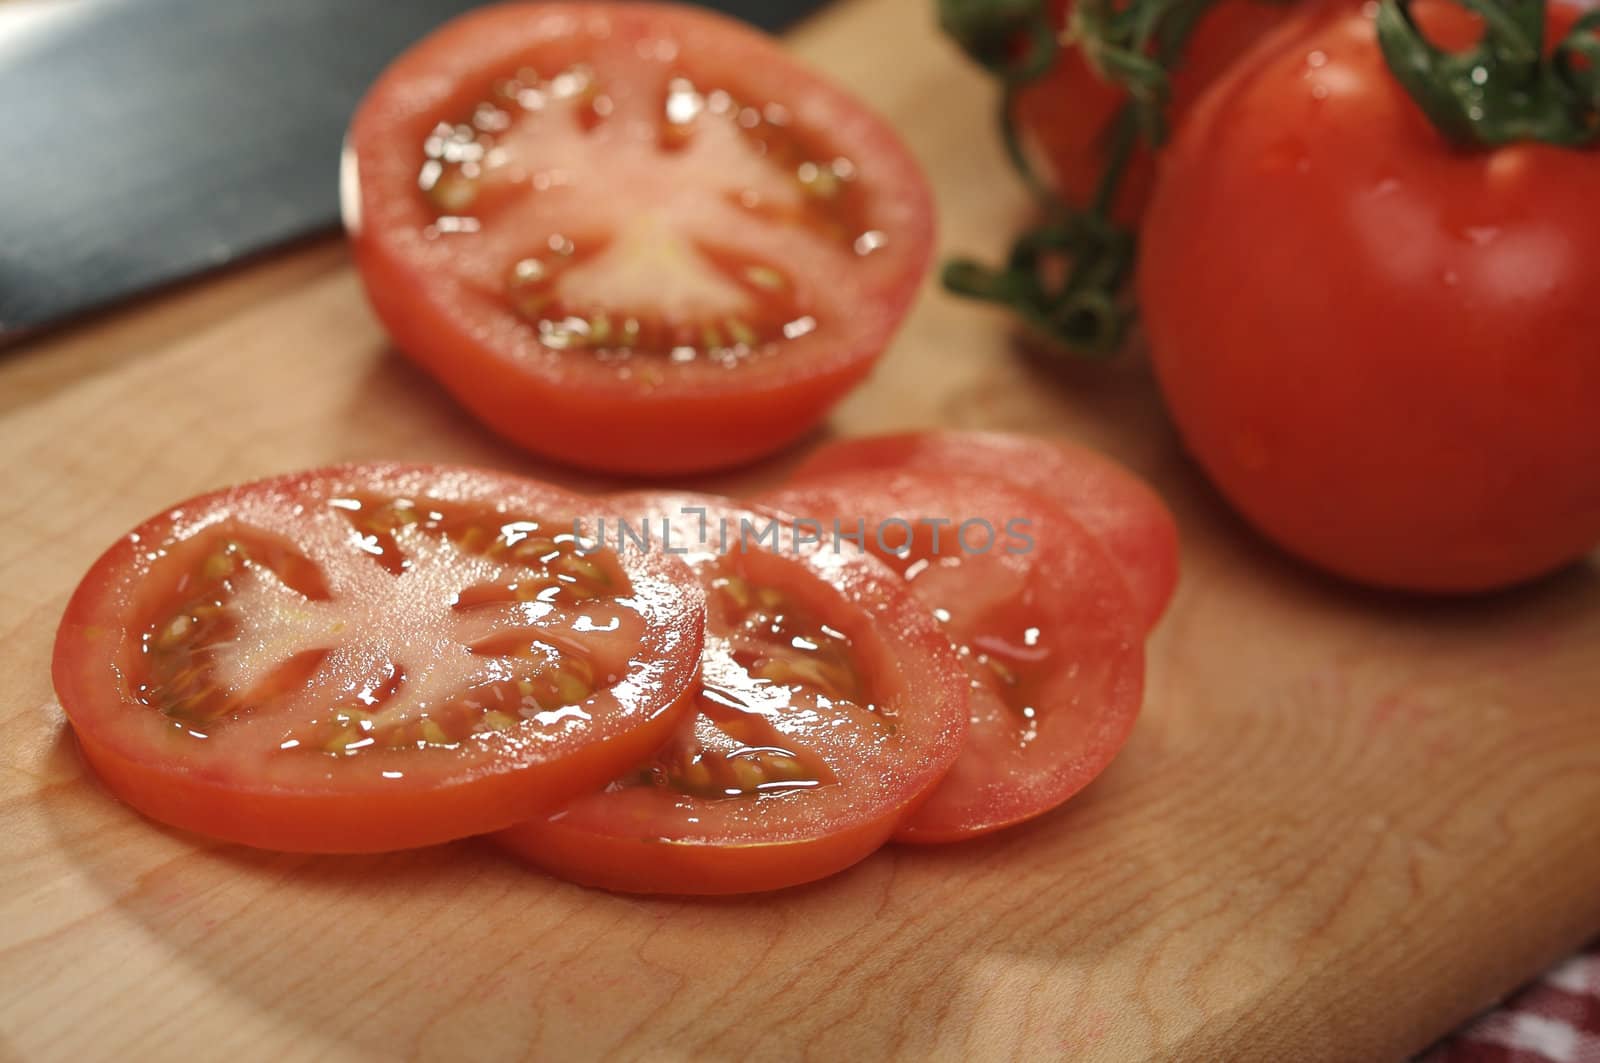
{"x": 1505, "y": 89}
{"x": 1068, "y": 276}
{"x": 989, "y": 31}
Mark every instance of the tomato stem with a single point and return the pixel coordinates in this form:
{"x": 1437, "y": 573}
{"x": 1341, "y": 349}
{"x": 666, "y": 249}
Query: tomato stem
{"x": 988, "y": 31}
{"x": 1504, "y": 89}
{"x": 1068, "y": 276}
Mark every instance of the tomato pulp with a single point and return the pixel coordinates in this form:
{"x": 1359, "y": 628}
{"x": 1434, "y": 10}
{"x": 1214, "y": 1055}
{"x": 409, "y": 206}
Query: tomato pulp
{"x": 371, "y": 657}
{"x": 830, "y": 705}
{"x": 635, "y": 237}
{"x": 1113, "y": 504}
{"x": 1047, "y": 628}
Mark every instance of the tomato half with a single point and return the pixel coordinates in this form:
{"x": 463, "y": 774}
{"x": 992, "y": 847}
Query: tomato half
{"x": 1121, "y": 510}
{"x": 1067, "y": 117}
{"x": 830, "y": 705}
{"x": 1380, "y": 347}
{"x": 1047, "y": 628}
{"x": 371, "y": 657}
{"x": 634, "y": 237}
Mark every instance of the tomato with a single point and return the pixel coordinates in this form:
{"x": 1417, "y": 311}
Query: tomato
{"x": 1067, "y": 116}
{"x": 830, "y": 705}
{"x": 371, "y": 657}
{"x": 1379, "y": 346}
{"x": 634, "y": 237}
{"x": 1130, "y": 520}
{"x": 1039, "y": 613}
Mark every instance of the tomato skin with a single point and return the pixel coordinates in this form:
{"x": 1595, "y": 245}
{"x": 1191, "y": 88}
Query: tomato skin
{"x": 564, "y": 404}
{"x": 1114, "y": 505}
{"x": 642, "y": 840}
{"x": 1382, "y": 349}
{"x": 370, "y": 822}
{"x": 1067, "y": 115}
{"x": 612, "y": 861}
{"x": 190, "y": 790}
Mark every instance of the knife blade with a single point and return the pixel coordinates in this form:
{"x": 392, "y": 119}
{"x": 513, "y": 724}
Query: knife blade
{"x": 145, "y": 141}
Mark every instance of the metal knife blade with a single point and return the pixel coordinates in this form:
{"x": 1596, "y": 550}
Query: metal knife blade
{"x": 144, "y": 141}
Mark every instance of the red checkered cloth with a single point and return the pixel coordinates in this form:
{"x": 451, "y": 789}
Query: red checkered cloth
{"x": 1554, "y": 1020}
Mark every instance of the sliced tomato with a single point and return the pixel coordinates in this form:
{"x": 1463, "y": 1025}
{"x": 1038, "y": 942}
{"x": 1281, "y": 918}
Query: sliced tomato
{"x": 1048, "y": 630}
{"x": 634, "y": 237}
{"x": 371, "y": 657}
{"x": 830, "y": 705}
{"x": 1117, "y": 507}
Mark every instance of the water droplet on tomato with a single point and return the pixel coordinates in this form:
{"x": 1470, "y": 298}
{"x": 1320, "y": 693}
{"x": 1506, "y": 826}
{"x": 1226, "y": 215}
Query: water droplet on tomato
{"x": 869, "y": 241}
{"x": 684, "y": 103}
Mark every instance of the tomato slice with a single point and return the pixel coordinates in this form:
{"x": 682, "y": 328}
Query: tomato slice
{"x": 1046, "y": 626}
{"x": 641, "y": 216}
{"x": 1117, "y": 507}
{"x": 830, "y": 705}
{"x": 372, "y": 657}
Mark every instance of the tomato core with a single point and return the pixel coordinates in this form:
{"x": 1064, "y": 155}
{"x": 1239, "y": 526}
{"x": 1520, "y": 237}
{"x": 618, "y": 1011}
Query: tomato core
{"x": 653, "y": 279}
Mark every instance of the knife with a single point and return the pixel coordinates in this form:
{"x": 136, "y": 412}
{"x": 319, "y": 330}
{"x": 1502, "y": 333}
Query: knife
{"x": 145, "y": 141}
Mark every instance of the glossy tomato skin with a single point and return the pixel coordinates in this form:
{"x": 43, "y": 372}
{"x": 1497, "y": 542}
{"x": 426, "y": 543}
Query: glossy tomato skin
{"x": 1121, "y": 510}
{"x": 1067, "y": 116}
{"x": 334, "y": 806}
{"x": 651, "y": 839}
{"x": 652, "y": 419}
{"x": 609, "y": 860}
{"x": 1382, "y": 349}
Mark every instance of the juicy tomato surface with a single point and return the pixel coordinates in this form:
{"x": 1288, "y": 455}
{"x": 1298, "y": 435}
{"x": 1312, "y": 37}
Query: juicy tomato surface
{"x": 830, "y": 704}
{"x": 635, "y": 237}
{"x": 371, "y": 657}
{"x": 1051, "y": 638}
{"x": 1379, "y": 346}
{"x": 1121, "y": 510}
{"x": 1067, "y": 117}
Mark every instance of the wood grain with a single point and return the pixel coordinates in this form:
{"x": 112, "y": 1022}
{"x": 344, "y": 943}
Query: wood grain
{"x": 114, "y": 337}
{"x": 1345, "y": 822}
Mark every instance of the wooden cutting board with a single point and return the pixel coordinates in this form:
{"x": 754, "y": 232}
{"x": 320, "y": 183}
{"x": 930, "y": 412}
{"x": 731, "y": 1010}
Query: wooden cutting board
{"x": 1345, "y": 822}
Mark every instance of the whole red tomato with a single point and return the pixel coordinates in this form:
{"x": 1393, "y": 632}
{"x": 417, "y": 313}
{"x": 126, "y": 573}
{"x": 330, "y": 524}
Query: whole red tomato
{"x": 1067, "y": 117}
{"x": 1384, "y": 349}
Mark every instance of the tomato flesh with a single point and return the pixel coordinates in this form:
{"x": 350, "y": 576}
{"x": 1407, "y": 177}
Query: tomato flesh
{"x": 658, "y": 282}
{"x": 1113, "y": 504}
{"x": 584, "y": 213}
{"x": 1045, "y": 625}
{"x": 370, "y": 657}
{"x": 829, "y": 705}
